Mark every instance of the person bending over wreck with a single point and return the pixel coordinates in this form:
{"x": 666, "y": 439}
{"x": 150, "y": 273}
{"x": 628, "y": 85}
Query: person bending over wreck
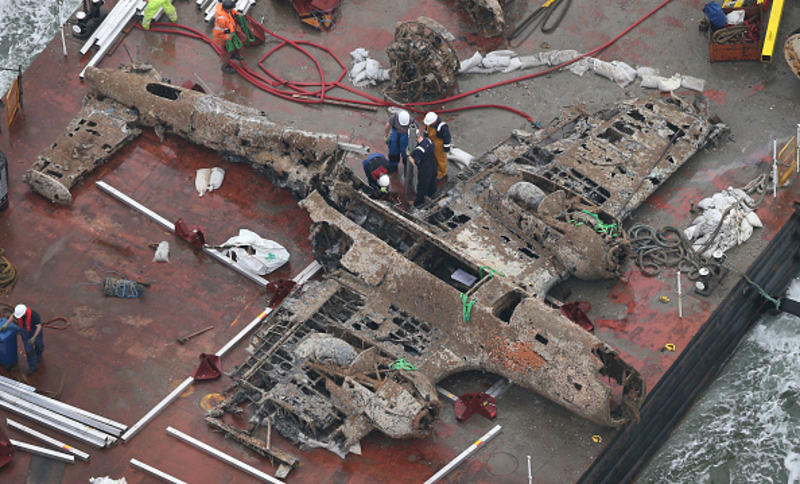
{"x": 225, "y": 29}
{"x": 31, "y": 328}
{"x": 376, "y": 168}
{"x": 423, "y": 159}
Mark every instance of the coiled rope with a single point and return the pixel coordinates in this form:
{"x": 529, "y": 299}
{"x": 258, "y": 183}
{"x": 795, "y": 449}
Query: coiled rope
{"x": 8, "y": 275}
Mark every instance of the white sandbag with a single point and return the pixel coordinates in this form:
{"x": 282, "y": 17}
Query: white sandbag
{"x": 693, "y": 83}
{"x": 669, "y": 84}
{"x": 361, "y": 79}
{"x": 473, "y": 61}
{"x": 201, "y": 180}
{"x": 558, "y": 57}
{"x": 358, "y": 68}
{"x": 495, "y": 63}
{"x": 373, "y": 67}
{"x": 479, "y": 70}
{"x": 623, "y": 73}
{"x": 162, "y": 252}
{"x": 706, "y": 203}
{"x": 753, "y": 220}
{"x": 603, "y": 68}
{"x": 642, "y": 71}
{"x": 360, "y": 55}
{"x": 501, "y": 53}
{"x": 513, "y": 65}
{"x": 735, "y": 17}
{"x": 535, "y": 60}
{"x": 384, "y": 75}
{"x": 690, "y": 232}
{"x": 745, "y": 231}
{"x": 580, "y": 67}
{"x": 461, "y": 158}
{"x": 216, "y": 178}
{"x": 107, "y": 480}
{"x": 650, "y": 82}
{"x": 250, "y": 251}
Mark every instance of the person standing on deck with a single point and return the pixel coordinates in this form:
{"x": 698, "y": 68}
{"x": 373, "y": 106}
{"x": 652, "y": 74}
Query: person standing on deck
{"x": 31, "y": 328}
{"x": 152, "y": 8}
{"x": 225, "y": 28}
{"x": 439, "y": 133}
{"x": 423, "y": 159}
{"x": 396, "y": 137}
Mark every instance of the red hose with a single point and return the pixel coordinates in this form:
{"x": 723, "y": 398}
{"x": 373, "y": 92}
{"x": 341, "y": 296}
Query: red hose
{"x": 546, "y": 71}
{"x": 322, "y": 87}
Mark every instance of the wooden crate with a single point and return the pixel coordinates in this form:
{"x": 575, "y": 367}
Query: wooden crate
{"x": 738, "y": 52}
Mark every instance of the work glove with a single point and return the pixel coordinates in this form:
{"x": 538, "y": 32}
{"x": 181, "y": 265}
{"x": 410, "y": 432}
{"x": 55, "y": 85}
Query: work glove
{"x": 4, "y": 326}
{"x": 386, "y": 139}
{"x": 408, "y": 150}
{"x": 384, "y": 189}
{"x": 31, "y": 340}
{"x": 227, "y": 31}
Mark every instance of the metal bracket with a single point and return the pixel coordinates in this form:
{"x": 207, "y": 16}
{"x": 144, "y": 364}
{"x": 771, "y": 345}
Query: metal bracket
{"x": 469, "y": 404}
{"x": 195, "y": 234}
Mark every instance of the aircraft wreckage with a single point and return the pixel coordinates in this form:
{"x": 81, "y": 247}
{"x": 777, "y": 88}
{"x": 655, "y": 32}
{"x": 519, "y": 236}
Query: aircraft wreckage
{"x": 460, "y": 285}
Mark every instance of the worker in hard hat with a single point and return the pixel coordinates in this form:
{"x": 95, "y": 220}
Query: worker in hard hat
{"x": 31, "y": 328}
{"x": 396, "y": 137}
{"x": 227, "y": 34}
{"x": 439, "y": 134}
{"x": 152, "y": 8}
{"x": 376, "y": 168}
{"x": 423, "y": 159}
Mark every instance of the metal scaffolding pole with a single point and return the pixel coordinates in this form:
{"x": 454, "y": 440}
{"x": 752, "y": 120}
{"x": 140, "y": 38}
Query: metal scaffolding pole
{"x": 155, "y": 472}
{"x": 35, "y": 449}
{"x": 223, "y": 456}
{"x": 47, "y": 439}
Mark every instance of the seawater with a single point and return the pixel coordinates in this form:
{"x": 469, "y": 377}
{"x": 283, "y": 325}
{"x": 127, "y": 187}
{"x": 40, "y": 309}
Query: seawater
{"x": 26, "y": 27}
{"x": 746, "y": 428}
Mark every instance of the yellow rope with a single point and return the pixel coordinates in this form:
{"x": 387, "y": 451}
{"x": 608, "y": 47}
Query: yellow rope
{"x": 8, "y": 275}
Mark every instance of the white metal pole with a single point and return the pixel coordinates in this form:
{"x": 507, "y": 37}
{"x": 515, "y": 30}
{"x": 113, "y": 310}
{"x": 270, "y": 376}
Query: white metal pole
{"x": 47, "y": 439}
{"x": 774, "y": 167}
{"x": 462, "y": 456}
{"x": 680, "y": 299}
{"x": 223, "y": 456}
{"x": 155, "y": 472}
{"x": 83, "y": 437}
{"x": 530, "y": 475}
{"x": 61, "y": 26}
{"x": 35, "y": 449}
{"x": 301, "y": 278}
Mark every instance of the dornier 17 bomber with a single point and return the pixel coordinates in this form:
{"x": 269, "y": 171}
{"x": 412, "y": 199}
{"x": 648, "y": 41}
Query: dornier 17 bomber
{"x": 459, "y": 285}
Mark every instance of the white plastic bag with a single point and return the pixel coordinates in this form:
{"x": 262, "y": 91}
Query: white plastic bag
{"x": 216, "y": 178}
{"x": 201, "y": 180}
{"x": 162, "y": 252}
{"x": 250, "y": 251}
{"x": 461, "y": 158}
{"x": 468, "y": 64}
{"x": 359, "y": 55}
{"x": 736, "y": 17}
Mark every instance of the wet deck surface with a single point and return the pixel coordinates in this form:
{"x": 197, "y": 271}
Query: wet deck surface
{"x": 119, "y": 358}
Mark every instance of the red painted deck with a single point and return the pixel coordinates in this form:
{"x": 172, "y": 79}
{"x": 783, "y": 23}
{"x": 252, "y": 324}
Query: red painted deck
{"x": 119, "y": 358}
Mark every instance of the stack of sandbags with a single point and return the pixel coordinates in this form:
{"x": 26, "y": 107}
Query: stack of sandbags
{"x": 736, "y": 228}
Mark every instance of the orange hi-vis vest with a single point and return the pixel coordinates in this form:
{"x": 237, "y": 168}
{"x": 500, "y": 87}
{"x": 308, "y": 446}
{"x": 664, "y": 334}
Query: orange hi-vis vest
{"x": 224, "y": 21}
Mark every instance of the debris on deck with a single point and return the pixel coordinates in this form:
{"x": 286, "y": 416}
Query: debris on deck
{"x": 423, "y": 60}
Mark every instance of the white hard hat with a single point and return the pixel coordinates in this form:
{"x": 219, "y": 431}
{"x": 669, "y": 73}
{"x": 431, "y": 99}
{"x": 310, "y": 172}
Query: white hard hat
{"x": 403, "y": 117}
{"x": 430, "y": 118}
{"x": 383, "y": 181}
{"x": 20, "y": 310}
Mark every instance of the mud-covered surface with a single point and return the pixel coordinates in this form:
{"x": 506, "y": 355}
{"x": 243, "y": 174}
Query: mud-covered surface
{"x": 320, "y": 370}
{"x": 99, "y": 129}
{"x": 488, "y": 15}
{"x": 294, "y": 158}
{"x": 423, "y": 61}
{"x": 544, "y": 206}
{"x": 791, "y": 52}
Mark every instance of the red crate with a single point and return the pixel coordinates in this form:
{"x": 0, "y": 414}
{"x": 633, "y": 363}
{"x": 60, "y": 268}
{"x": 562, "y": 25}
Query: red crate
{"x": 738, "y": 52}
